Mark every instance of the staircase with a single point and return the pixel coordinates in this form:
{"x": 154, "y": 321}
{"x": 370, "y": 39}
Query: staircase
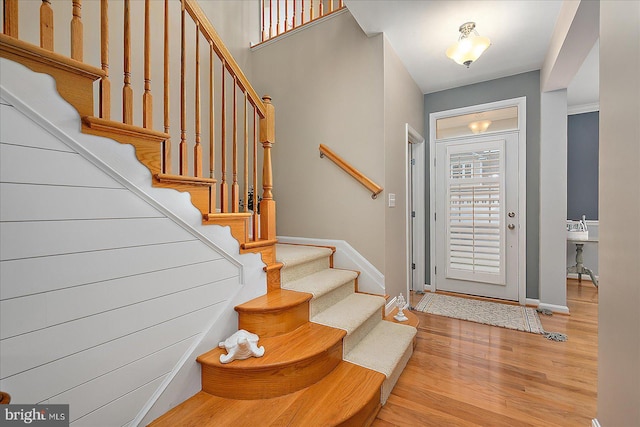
{"x": 330, "y": 358}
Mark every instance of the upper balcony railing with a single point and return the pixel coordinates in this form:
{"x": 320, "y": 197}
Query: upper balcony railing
{"x": 281, "y": 16}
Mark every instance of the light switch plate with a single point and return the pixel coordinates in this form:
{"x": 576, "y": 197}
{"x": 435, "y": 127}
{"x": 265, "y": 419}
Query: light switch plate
{"x": 392, "y": 200}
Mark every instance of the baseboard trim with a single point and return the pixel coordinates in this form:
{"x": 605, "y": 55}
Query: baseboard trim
{"x": 595, "y": 423}
{"x": 370, "y": 280}
{"x": 532, "y": 302}
{"x": 390, "y": 305}
{"x": 563, "y": 309}
{"x": 585, "y": 277}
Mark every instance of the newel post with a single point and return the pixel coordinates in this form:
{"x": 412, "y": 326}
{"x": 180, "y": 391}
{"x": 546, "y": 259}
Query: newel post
{"x": 267, "y": 205}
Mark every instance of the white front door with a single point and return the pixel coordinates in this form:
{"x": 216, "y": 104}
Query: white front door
{"x": 477, "y": 218}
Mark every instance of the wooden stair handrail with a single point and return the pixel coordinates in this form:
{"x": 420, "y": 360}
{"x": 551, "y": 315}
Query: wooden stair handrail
{"x": 348, "y": 168}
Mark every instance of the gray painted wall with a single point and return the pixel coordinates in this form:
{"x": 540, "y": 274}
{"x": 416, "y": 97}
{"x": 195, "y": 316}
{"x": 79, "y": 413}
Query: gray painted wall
{"x": 582, "y": 166}
{"x": 526, "y": 84}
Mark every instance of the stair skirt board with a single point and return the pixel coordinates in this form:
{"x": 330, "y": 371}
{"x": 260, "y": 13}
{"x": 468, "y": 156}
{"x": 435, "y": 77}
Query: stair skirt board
{"x": 371, "y": 342}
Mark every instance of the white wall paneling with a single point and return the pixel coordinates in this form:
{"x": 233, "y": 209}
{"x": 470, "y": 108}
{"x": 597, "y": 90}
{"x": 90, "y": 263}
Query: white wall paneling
{"x": 108, "y": 287}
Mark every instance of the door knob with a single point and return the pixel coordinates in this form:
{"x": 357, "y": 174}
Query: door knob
{"x": 511, "y": 226}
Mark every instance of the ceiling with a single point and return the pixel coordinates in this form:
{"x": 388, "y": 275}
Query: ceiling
{"x": 520, "y": 31}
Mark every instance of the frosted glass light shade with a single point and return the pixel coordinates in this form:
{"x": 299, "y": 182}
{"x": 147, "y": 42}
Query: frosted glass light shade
{"x": 480, "y": 126}
{"x": 468, "y": 49}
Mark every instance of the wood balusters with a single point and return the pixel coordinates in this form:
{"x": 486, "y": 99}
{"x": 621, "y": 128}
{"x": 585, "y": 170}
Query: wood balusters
{"x": 10, "y": 23}
{"x": 255, "y": 174}
{"x": 46, "y": 25}
{"x": 246, "y": 156}
{"x": 212, "y": 135}
{"x": 105, "y": 84}
{"x": 183, "y": 93}
{"x": 147, "y": 99}
{"x": 235, "y": 188}
{"x": 197, "y": 149}
{"x": 224, "y": 191}
{"x": 127, "y": 91}
{"x": 166, "y": 147}
{"x": 77, "y": 33}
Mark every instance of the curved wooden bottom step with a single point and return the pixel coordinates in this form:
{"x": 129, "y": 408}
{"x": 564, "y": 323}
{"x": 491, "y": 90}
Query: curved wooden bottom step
{"x": 278, "y": 312}
{"x": 348, "y": 396}
{"x": 291, "y": 362}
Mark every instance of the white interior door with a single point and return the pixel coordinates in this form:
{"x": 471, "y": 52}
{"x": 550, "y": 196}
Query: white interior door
{"x": 477, "y": 218}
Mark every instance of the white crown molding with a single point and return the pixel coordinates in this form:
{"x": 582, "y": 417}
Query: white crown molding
{"x": 583, "y": 108}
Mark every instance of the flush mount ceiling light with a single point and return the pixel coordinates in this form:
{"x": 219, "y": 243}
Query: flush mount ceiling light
{"x": 480, "y": 126}
{"x": 469, "y": 46}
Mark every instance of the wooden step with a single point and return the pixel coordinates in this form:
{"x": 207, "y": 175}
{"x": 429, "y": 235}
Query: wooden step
{"x": 348, "y": 396}
{"x": 291, "y": 362}
{"x": 278, "y": 312}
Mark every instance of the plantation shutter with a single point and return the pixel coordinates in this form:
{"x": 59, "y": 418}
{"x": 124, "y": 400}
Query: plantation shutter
{"x": 475, "y": 214}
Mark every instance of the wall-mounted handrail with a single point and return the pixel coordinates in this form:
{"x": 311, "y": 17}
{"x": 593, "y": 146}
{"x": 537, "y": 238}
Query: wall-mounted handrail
{"x": 348, "y": 168}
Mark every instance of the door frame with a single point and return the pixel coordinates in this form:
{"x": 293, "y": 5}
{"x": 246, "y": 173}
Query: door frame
{"x": 415, "y": 226}
{"x": 521, "y": 103}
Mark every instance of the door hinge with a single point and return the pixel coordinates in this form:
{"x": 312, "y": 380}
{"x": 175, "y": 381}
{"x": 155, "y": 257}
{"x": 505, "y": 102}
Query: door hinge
{"x": 413, "y": 162}
{"x": 434, "y": 216}
{"x": 413, "y": 265}
{"x": 434, "y": 162}
{"x": 413, "y": 214}
{"x": 435, "y": 270}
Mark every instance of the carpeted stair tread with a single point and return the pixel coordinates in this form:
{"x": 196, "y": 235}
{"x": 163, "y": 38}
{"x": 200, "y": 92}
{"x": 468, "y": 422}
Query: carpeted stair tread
{"x": 306, "y": 341}
{"x": 383, "y": 347}
{"x": 293, "y": 255}
{"x": 349, "y": 395}
{"x": 322, "y": 282}
{"x": 351, "y": 312}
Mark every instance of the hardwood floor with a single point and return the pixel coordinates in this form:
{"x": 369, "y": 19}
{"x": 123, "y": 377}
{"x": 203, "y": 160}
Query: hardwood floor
{"x": 468, "y": 374}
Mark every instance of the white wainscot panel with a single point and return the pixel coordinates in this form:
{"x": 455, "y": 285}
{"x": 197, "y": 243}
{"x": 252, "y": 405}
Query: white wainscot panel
{"x": 120, "y": 411}
{"x": 26, "y": 202}
{"x": 90, "y": 396}
{"x": 34, "y": 275}
{"x": 17, "y": 129}
{"x": 58, "y": 376}
{"x": 38, "y": 166}
{"x": 43, "y": 346}
{"x": 51, "y": 308}
{"x": 46, "y": 238}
